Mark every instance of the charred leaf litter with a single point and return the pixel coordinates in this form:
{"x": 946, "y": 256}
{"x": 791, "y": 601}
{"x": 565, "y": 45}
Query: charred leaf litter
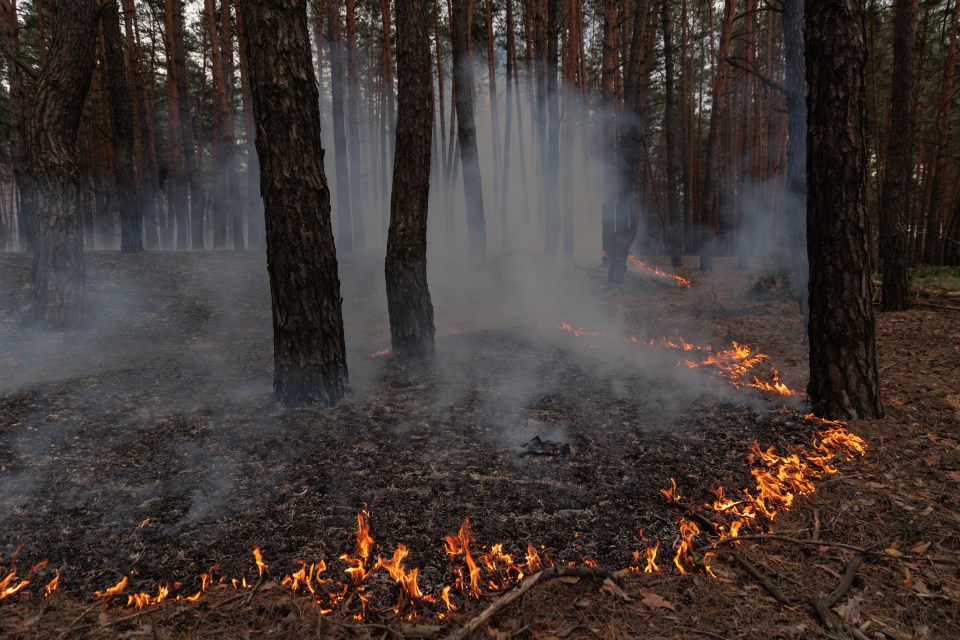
{"x": 170, "y": 459}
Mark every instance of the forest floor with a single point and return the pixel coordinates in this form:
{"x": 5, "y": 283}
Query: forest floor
{"x": 146, "y": 445}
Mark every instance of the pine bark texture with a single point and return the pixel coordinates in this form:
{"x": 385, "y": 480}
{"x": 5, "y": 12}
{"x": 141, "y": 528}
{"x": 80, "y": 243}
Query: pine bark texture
{"x": 58, "y": 292}
{"x": 408, "y": 297}
{"x": 309, "y": 352}
{"x": 467, "y": 131}
{"x": 844, "y": 381}
{"x": 673, "y": 232}
{"x": 121, "y": 130}
{"x": 898, "y": 179}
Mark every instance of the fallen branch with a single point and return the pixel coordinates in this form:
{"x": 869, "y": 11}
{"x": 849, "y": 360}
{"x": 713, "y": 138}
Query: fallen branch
{"x": 597, "y": 574}
{"x": 822, "y": 603}
{"x": 767, "y": 584}
{"x": 948, "y": 307}
{"x": 691, "y": 512}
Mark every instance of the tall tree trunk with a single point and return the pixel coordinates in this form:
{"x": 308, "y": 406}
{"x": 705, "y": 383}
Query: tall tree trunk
{"x": 467, "y": 132}
{"x": 310, "y": 364}
{"x": 344, "y": 216}
{"x": 895, "y": 206}
{"x": 844, "y": 381}
{"x": 179, "y": 113}
{"x": 608, "y": 127}
{"x": 357, "y": 201}
{"x": 796, "y": 197}
{"x": 673, "y": 233}
{"x": 552, "y": 195}
{"x": 255, "y": 229}
{"x": 632, "y": 158}
{"x": 144, "y": 140}
{"x": 19, "y": 154}
{"x": 507, "y": 133}
{"x": 121, "y": 127}
{"x": 408, "y": 297}
{"x": 229, "y": 133}
{"x": 386, "y": 70}
{"x": 223, "y": 205}
{"x": 58, "y": 292}
{"x": 494, "y": 107}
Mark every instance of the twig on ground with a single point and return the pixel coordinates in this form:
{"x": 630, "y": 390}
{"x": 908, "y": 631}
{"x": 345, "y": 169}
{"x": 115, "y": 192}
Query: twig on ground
{"x": 823, "y": 543}
{"x": 935, "y": 306}
{"x": 691, "y": 512}
{"x": 767, "y": 584}
{"x": 598, "y": 574}
{"x": 822, "y": 603}
{"x": 63, "y": 634}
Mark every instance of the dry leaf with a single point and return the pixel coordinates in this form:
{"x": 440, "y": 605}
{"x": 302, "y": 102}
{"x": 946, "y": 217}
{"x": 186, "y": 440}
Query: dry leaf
{"x": 610, "y": 587}
{"x": 568, "y": 580}
{"x": 850, "y": 610}
{"x": 907, "y": 581}
{"x": 954, "y": 475}
{"x": 933, "y": 461}
{"x": 920, "y": 548}
{"x": 892, "y": 552}
{"x": 654, "y": 601}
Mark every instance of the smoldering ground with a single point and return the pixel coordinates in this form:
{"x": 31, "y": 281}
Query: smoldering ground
{"x": 147, "y": 442}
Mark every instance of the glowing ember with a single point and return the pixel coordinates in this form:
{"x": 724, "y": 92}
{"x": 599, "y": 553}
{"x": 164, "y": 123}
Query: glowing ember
{"x": 51, "y": 586}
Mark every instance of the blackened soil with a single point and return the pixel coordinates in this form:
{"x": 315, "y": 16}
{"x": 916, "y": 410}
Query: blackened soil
{"x": 148, "y": 443}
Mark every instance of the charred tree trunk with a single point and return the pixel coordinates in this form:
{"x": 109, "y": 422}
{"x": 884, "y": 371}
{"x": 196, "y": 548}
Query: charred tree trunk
{"x": 467, "y": 132}
{"x": 844, "y": 381}
{"x": 408, "y": 297}
{"x": 308, "y": 345}
{"x": 386, "y": 67}
{"x": 19, "y": 154}
{"x": 121, "y": 127}
{"x": 796, "y": 197}
{"x": 552, "y": 195}
{"x": 895, "y": 206}
{"x": 344, "y": 216}
{"x": 58, "y": 292}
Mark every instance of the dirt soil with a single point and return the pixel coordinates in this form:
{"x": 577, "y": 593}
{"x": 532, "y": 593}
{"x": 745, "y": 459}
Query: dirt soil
{"x": 147, "y": 445}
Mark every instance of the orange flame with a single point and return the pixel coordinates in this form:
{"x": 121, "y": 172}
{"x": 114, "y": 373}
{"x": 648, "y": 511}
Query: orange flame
{"x": 114, "y": 590}
{"x": 52, "y": 585}
{"x": 688, "y": 530}
{"x": 651, "y": 554}
{"x": 261, "y": 567}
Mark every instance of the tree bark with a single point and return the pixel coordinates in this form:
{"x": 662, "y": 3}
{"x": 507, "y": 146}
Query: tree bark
{"x": 608, "y": 127}
{"x": 255, "y": 229}
{"x": 467, "y": 132}
{"x": 408, "y": 297}
{"x": 844, "y": 381}
{"x": 552, "y": 195}
{"x": 344, "y": 216}
{"x": 309, "y": 353}
{"x": 357, "y": 203}
{"x": 121, "y": 127}
{"x": 58, "y": 292}
{"x": 895, "y": 205}
{"x": 796, "y": 196}
{"x": 673, "y": 232}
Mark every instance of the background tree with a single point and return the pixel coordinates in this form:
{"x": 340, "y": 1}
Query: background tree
{"x": 310, "y": 364}
{"x": 895, "y": 205}
{"x": 121, "y": 130}
{"x": 408, "y": 297}
{"x": 344, "y": 216}
{"x": 58, "y": 292}
{"x": 467, "y": 130}
{"x": 844, "y": 382}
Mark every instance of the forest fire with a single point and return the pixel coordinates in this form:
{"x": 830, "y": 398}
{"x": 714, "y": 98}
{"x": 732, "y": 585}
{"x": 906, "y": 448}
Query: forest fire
{"x": 732, "y": 364}
{"x": 674, "y": 278}
{"x": 474, "y": 571}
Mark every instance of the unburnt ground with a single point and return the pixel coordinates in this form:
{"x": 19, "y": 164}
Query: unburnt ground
{"x": 160, "y": 412}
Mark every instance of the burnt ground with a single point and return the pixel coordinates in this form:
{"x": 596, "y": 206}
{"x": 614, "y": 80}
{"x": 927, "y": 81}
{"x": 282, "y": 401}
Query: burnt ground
{"x": 160, "y": 412}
